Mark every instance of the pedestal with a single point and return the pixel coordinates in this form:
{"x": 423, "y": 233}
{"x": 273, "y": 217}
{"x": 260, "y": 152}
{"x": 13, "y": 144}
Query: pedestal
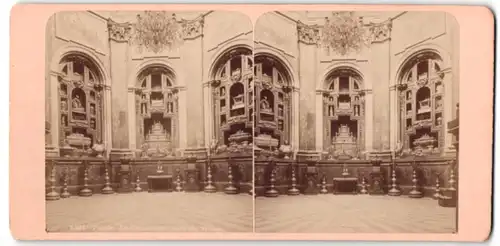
{"x": 311, "y": 179}
{"x": 125, "y": 182}
{"x": 192, "y": 181}
{"x": 376, "y": 179}
{"x": 125, "y": 176}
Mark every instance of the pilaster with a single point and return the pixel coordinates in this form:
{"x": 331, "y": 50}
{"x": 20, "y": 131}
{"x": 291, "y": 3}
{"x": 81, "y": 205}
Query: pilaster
{"x": 319, "y": 121}
{"x": 119, "y": 34}
{"x": 380, "y": 75}
{"x": 192, "y": 59}
{"x": 53, "y": 117}
{"x": 308, "y": 37}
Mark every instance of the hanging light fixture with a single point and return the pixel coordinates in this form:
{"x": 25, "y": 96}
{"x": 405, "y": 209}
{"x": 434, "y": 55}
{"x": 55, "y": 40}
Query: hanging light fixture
{"x": 344, "y": 33}
{"x": 157, "y": 30}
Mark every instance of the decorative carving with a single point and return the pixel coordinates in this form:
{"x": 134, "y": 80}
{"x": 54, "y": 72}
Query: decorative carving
{"x": 381, "y": 31}
{"x": 156, "y": 31}
{"x": 308, "y": 34}
{"x": 192, "y": 29}
{"x": 344, "y": 33}
{"x": 119, "y": 31}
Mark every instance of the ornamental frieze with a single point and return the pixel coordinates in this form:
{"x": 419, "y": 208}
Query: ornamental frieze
{"x": 381, "y": 31}
{"x": 192, "y": 28}
{"x": 119, "y": 31}
{"x": 308, "y": 34}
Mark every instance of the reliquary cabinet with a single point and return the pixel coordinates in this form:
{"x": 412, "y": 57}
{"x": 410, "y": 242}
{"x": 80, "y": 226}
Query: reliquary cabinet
{"x": 233, "y": 93}
{"x": 272, "y": 101}
{"x": 343, "y": 114}
{"x": 421, "y": 101}
{"x": 80, "y": 97}
{"x": 156, "y": 108}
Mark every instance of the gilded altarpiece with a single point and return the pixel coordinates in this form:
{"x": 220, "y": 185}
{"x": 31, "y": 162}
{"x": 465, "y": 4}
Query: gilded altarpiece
{"x": 421, "y": 97}
{"x": 344, "y": 115}
{"x": 232, "y": 91}
{"x": 273, "y": 102}
{"x": 157, "y": 113}
{"x": 80, "y": 98}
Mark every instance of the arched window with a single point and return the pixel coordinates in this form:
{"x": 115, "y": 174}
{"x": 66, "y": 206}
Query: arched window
{"x": 232, "y": 97}
{"x": 80, "y": 96}
{"x": 156, "y": 103}
{"x": 421, "y": 100}
{"x": 343, "y": 104}
{"x": 273, "y": 92}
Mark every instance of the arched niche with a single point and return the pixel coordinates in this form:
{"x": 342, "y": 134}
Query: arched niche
{"x": 273, "y": 100}
{"x": 421, "y": 92}
{"x": 81, "y": 103}
{"x": 343, "y": 114}
{"x": 232, "y": 90}
{"x": 156, "y": 111}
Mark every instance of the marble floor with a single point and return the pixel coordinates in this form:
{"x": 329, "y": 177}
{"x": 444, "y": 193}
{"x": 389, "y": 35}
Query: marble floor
{"x": 352, "y": 214}
{"x": 152, "y": 212}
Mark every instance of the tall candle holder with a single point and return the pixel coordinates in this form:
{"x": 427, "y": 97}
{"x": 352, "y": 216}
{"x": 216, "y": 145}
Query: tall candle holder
{"x": 272, "y": 192}
{"x": 394, "y": 191}
{"x": 53, "y": 194}
{"x": 230, "y": 188}
{"x": 323, "y": 185}
{"x": 210, "y": 188}
{"x": 293, "y": 191}
{"x": 85, "y": 191}
{"x": 415, "y": 192}
{"x": 65, "y": 193}
{"x": 107, "y": 186}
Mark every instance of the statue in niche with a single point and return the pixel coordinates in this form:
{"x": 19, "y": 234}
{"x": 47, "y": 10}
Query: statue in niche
{"x": 144, "y": 108}
{"x": 222, "y": 91}
{"x": 264, "y": 105}
{"x": 280, "y": 111}
{"x": 92, "y": 123}
{"x": 356, "y": 110}
{"x": 170, "y": 107}
{"x": 169, "y": 96}
{"x": 330, "y": 110}
{"x": 77, "y": 104}
{"x": 64, "y": 105}
{"x": 330, "y": 99}
{"x": 92, "y": 109}
{"x": 63, "y": 120}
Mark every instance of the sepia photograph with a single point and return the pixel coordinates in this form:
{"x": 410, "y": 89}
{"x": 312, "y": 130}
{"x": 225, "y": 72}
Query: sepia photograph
{"x": 357, "y": 125}
{"x": 148, "y": 121}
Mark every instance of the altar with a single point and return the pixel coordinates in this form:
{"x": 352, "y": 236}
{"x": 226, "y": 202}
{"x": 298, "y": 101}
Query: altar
{"x": 344, "y": 145}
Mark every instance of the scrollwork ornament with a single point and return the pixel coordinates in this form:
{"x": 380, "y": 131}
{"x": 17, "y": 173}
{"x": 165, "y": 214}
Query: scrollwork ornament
{"x": 380, "y": 32}
{"x": 192, "y": 29}
{"x": 157, "y": 31}
{"x": 119, "y": 31}
{"x": 308, "y": 34}
{"x": 344, "y": 33}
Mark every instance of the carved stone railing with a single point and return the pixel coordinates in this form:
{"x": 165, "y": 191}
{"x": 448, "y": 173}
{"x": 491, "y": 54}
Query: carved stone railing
{"x": 427, "y": 171}
{"x": 96, "y": 171}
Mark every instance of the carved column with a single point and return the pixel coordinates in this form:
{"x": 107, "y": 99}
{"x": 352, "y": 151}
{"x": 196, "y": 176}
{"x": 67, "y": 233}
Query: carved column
{"x": 368, "y": 121}
{"x": 119, "y": 34}
{"x": 308, "y": 37}
{"x": 380, "y": 55}
{"x": 192, "y": 59}
{"x": 53, "y": 118}
{"x": 448, "y": 112}
{"x": 319, "y": 121}
{"x": 208, "y": 114}
{"x": 394, "y": 114}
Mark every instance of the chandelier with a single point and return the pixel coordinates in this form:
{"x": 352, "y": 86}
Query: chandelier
{"x": 344, "y": 33}
{"x": 157, "y": 30}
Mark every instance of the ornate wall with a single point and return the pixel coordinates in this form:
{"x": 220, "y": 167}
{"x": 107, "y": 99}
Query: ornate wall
{"x": 378, "y": 54}
{"x": 108, "y": 40}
